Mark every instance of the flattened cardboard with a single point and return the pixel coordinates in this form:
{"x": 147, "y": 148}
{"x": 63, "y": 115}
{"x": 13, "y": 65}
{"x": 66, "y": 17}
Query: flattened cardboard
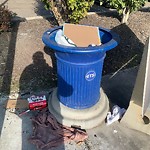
{"x": 82, "y": 35}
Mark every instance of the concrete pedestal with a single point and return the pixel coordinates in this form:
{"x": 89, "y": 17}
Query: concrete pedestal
{"x": 85, "y": 118}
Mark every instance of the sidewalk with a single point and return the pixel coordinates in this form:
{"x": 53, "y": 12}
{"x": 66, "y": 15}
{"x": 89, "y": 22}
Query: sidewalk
{"x": 28, "y": 9}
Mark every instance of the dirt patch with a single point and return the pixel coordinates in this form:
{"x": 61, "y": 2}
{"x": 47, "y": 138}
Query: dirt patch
{"x": 26, "y": 66}
{"x": 4, "y": 50}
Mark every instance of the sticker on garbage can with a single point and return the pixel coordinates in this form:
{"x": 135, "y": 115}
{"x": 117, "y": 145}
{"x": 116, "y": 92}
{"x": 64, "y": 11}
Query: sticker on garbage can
{"x": 90, "y": 75}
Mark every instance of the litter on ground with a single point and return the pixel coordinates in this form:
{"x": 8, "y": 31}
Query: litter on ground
{"x": 48, "y": 133}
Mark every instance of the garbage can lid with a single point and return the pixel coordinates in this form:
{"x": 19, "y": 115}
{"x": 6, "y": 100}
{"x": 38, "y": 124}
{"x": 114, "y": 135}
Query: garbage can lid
{"x": 109, "y": 40}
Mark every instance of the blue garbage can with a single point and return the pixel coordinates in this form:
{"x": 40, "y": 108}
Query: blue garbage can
{"x": 79, "y": 69}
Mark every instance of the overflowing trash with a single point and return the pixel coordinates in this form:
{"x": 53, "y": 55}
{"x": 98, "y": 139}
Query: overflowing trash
{"x": 82, "y": 35}
{"x": 69, "y": 35}
{"x": 48, "y": 133}
{"x": 116, "y": 114}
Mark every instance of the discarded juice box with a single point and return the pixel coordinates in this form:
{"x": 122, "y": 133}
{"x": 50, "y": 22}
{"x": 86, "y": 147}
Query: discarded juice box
{"x": 37, "y": 102}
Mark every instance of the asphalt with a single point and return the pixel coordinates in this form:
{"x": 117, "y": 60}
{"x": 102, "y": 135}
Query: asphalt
{"x": 16, "y": 130}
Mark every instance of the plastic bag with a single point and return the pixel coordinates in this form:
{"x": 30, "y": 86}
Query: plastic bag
{"x": 62, "y": 40}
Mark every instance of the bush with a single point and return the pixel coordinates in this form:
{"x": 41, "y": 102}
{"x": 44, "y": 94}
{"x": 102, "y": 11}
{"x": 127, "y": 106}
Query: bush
{"x": 78, "y": 9}
{"x": 5, "y": 18}
{"x": 125, "y": 7}
{"x": 70, "y": 10}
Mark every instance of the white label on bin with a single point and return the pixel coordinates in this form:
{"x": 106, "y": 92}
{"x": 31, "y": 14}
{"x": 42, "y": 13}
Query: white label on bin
{"x": 90, "y": 75}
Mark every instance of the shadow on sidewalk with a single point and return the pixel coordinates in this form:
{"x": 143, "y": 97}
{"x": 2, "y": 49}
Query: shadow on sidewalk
{"x": 40, "y": 9}
{"x": 111, "y": 13}
{"x": 38, "y": 75}
{"x": 119, "y": 85}
{"x": 37, "y": 78}
{"x": 145, "y": 9}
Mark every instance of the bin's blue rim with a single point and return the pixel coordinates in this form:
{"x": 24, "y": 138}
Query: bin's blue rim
{"x": 58, "y": 47}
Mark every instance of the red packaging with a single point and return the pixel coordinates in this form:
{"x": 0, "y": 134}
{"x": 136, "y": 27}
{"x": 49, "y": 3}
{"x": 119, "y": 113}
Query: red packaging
{"x": 37, "y": 102}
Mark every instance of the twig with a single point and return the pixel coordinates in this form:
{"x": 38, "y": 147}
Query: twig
{"x": 2, "y": 4}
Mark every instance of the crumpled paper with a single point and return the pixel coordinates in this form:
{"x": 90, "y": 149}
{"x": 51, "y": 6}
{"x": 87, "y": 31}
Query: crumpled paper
{"x": 116, "y": 114}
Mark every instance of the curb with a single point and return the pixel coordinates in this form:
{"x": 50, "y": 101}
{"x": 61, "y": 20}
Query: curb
{"x": 31, "y": 18}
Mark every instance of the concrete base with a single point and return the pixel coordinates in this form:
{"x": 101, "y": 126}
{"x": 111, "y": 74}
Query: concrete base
{"x": 85, "y": 118}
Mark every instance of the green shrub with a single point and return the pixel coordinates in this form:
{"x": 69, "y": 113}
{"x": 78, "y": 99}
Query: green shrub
{"x": 125, "y": 7}
{"x": 5, "y": 18}
{"x": 78, "y": 9}
{"x": 70, "y": 10}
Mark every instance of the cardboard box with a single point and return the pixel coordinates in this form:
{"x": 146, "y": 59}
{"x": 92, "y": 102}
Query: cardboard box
{"x": 82, "y": 35}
